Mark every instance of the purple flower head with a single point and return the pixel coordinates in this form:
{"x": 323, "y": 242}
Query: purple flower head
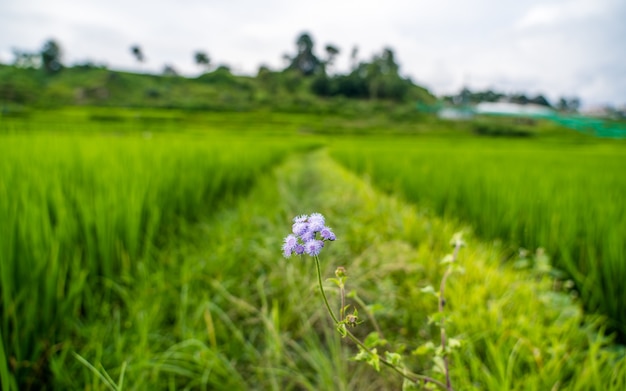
{"x": 299, "y": 228}
{"x": 289, "y": 245}
{"x": 308, "y": 235}
{"x": 317, "y": 217}
{"x": 300, "y": 219}
{"x": 299, "y": 249}
{"x": 304, "y": 238}
{"x": 313, "y": 247}
{"x": 316, "y": 222}
{"x": 327, "y": 234}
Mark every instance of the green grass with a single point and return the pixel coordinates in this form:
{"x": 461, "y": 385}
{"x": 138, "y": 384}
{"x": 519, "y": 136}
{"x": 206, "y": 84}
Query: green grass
{"x": 562, "y": 195}
{"x": 146, "y": 255}
{"x": 233, "y": 314}
{"x": 83, "y": 213}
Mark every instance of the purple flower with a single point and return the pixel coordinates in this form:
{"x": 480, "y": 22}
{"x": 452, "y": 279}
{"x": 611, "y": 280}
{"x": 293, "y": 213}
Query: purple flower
{"x": 327, "y": 234}
{"x": 317, "y": 217}
{"x": 289, "y": 245}
{"x": 300, "y": 219}
{"x": 316, "y": 222}
{"x": 299, "y": 228}
{"x": 308, "y": 235}
{"x": 304, "y": 238}
{"x": 313, "y": 247}
{"x": 299, "y": 249}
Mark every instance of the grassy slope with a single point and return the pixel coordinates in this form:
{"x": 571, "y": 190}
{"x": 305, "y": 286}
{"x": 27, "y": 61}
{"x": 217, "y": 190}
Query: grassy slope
{"x": 218, "y": 90}
{"x": 223, "y": 310}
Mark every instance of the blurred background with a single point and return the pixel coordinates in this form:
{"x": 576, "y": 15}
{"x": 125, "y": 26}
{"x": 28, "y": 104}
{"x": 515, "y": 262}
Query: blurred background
{"x": 570, "y": 49}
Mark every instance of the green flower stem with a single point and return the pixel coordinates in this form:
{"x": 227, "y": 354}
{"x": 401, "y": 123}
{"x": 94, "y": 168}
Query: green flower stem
{"x": 319, "y": 281}
{"x": 443, "y": 328}
{"x": 442, "y": 288}
{"x": 342, "y": 311}
{"x": 409, "y": 376}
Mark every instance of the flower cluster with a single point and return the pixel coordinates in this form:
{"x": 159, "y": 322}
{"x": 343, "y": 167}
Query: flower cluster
{"x": 308, "y": 235}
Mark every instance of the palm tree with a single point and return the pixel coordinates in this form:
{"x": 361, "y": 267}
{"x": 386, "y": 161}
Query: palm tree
{"x": 202, "y": 59}
{"x": 331, "y": 52}
{"x": 137, "y": 53}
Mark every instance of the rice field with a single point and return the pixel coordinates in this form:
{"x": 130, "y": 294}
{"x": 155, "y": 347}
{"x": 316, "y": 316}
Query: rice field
{"x": 84, "y": 210}
{"x": 564, "y": 196}
{"x": 141, "y": 250}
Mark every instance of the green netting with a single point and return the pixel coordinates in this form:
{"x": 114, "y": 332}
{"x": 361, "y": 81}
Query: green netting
{"x": 596, "y": 126}
{"x": 599, "y": 127}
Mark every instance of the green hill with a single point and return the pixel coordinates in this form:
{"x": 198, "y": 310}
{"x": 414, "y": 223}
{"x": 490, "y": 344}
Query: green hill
{"x": 218, "y": 90}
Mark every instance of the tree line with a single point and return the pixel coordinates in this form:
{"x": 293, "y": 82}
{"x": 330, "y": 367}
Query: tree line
{"x": 376, "y": 78}
{"x": 50, "y": 58}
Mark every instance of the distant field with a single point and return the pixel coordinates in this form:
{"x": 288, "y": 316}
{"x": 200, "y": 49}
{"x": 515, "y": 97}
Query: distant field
{"x": 140, "y": 249}
{"x": 563, "y": 195}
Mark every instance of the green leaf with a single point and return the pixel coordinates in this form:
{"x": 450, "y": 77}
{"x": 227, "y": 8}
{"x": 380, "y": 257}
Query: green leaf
{"x": 394, "y": 358}
{"x": 424, "y": 349}
{"x": 334, "y": 280}
{"x": 438, "y": 364}
{"x": 436, "y": 318}
{"x": 373, "y": 340}
{"x": 341, "y": 327}
{"x": 430, "y": 290}
{"x": 361, "y": 355}
{"x": 371, "y": 358}
{"x": 454, "y": 343}
{"x": 447, "y": 259}
{"x": 374, "y": 360}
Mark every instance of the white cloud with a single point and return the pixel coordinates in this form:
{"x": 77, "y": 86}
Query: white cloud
{"x": 555, "y": 13}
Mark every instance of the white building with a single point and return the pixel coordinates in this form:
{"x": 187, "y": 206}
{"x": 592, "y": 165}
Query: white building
{"x": 514, "y": 109}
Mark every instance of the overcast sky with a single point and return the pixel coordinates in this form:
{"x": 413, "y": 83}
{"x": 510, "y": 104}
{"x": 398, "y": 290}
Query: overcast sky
{"x": 558, "y": 47}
